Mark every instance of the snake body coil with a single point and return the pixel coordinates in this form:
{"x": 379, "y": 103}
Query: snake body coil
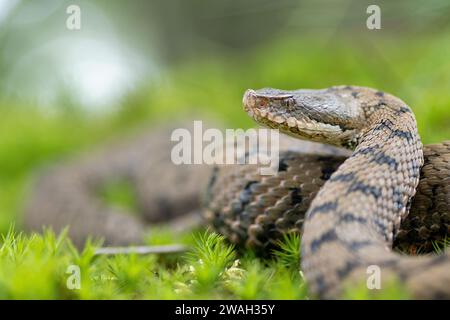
{"x": 351, "y": 206}
{"x": 351, "y": 224}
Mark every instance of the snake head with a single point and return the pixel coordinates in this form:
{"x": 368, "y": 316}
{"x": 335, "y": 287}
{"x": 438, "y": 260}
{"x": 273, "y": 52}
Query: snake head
{"x": 332, "y": 116}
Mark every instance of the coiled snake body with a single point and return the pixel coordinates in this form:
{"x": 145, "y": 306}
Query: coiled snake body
{"x": 350, "y": 207}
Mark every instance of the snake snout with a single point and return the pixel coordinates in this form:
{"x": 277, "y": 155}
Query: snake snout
{"x": 249, "y": 100}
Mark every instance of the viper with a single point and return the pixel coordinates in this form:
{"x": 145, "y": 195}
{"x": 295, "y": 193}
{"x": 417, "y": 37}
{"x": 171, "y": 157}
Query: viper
{"x": 376, "y": 192}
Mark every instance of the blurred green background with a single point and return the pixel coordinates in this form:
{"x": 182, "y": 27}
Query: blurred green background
{"x": 138, "y": 64}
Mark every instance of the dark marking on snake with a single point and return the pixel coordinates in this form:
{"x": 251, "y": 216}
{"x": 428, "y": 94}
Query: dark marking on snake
{"x": 323, "y": 208}
{"x": 385, "y": 124}
{"x": 350, "y": 218}
{"x": 364, "y": 188}
{"x": 282, "y": 165}
{"x": 380, "y": 225}
{"x": 327, "y": 171}
{"x": 236, "y": 207}
{"x": 211, "y": 182}
{"x": 321, "y": 285}
{"x": 403, "y": 109}
{"x": 327, "y": 159}
{"x": 328, "y": 236}
{"x": 379, "y": 105}
{"x": 397, "y": 195}
{"x": 296, "y": 197}
{"x": 246, "y": 194}
{"x": 357, "y": 245}
{"x": 344, "y": 177}
{"x": 329, "y": 166}
{"x": 347, "y": 269}
{"x": 381, "y": 158}
{"x": 401, "y": 134}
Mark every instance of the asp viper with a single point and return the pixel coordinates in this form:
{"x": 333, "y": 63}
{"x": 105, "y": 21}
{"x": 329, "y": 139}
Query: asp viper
{"x": 350, "y": 206}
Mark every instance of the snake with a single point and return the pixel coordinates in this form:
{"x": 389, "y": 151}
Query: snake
{"x": 361, "y": 190}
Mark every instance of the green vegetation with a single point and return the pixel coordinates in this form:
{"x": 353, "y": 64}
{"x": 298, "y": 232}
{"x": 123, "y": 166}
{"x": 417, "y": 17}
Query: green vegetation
{"x": 119, "y": 194}
{"x": 35, "y": 266}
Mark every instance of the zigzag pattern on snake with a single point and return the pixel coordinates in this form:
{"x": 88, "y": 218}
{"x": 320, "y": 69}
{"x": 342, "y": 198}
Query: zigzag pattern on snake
{"x": 351, "y": 223}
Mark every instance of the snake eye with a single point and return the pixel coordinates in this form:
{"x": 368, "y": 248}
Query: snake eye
{"x": 280, "y": 99}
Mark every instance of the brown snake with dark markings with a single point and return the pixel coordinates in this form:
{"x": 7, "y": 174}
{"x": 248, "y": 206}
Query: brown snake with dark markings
{"x": 360, "y": 211}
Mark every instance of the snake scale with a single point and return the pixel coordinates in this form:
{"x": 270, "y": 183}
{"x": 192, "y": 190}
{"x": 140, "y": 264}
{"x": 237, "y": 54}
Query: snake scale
{"x": 351, "y": 206}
